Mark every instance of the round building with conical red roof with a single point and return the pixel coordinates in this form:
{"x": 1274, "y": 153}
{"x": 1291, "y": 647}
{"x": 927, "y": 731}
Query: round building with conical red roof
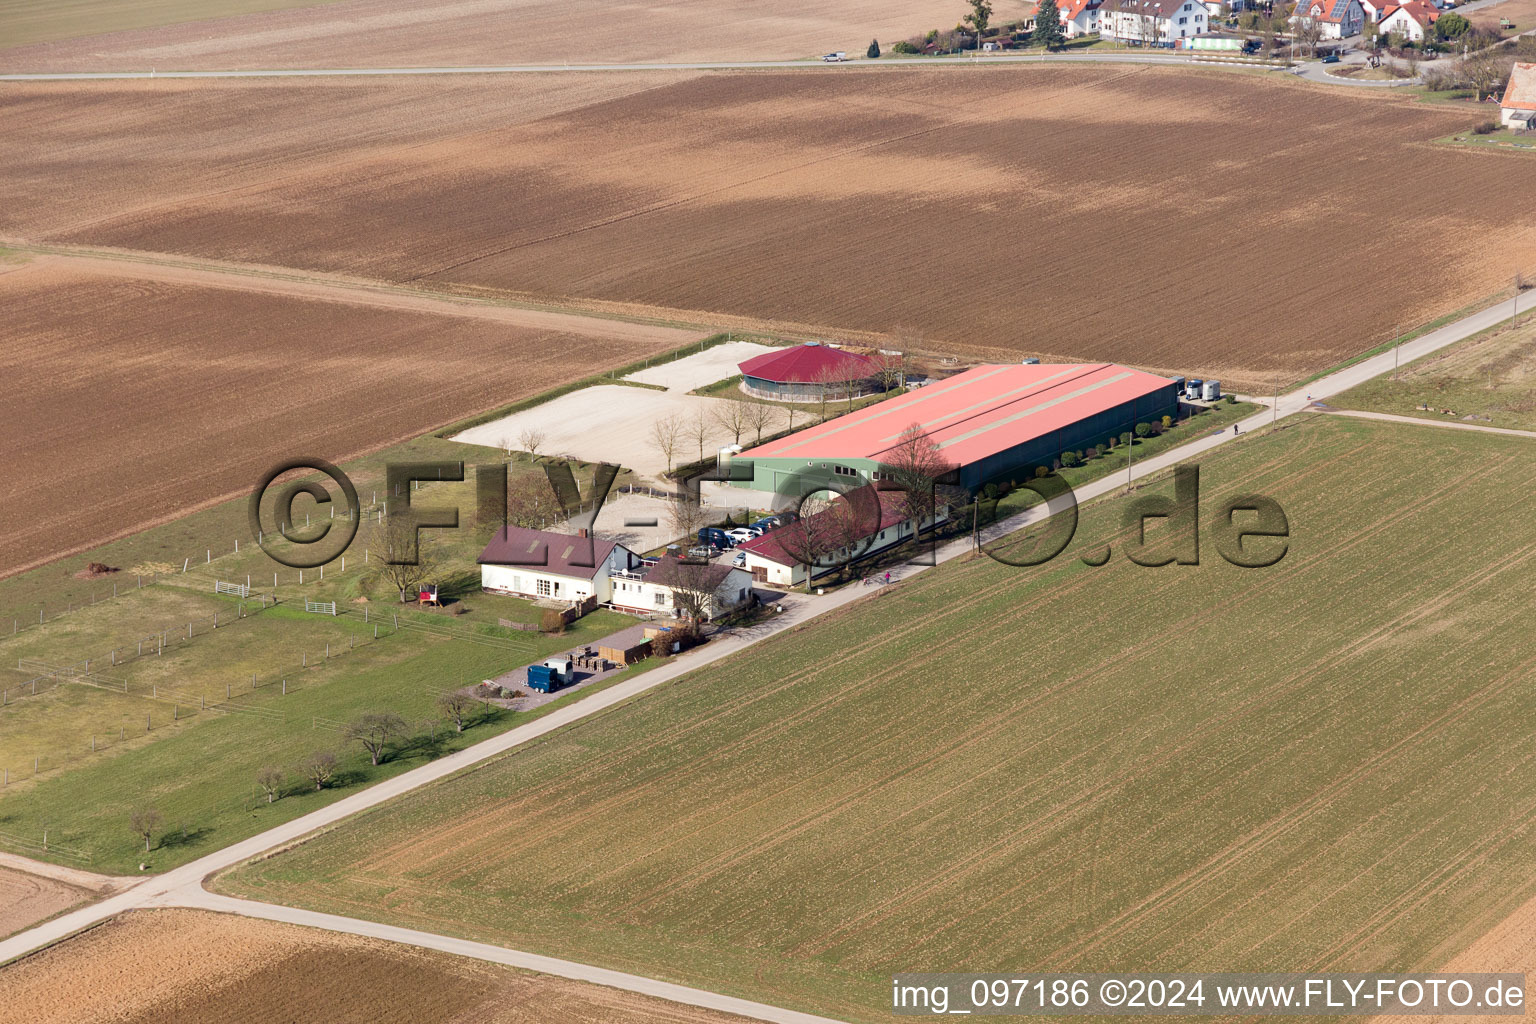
{"x": 805, "y": 372}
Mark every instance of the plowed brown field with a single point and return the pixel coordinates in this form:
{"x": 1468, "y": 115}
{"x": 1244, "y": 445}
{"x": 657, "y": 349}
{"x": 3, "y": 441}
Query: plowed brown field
{"x": 134, "y": 394}
{"x": 153, "y": 966}
{"x": 1180, "y": 220}
{"x": 26, "y": 899}
{"x": 419, "y": 33}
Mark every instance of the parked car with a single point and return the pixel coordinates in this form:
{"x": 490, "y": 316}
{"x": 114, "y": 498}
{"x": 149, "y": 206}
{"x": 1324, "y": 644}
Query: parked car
{"x": 717, "y": 537}
{"x": 739, "y": 559}
{"x": 1332, "y": 58}
{"x": 703, "y": 551}
{"x": 766, "y": 523}
{"x": 835, "y": 56}
{"x": 742, "y": 534}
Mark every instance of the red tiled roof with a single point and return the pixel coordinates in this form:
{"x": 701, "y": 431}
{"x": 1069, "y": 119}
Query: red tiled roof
{"x": 1075, "y": 7}
{"x": 787, "y": 544}
{"x": 803, "y": 364}
{"x": 1521, "y": 94}
{"x": 1422, "y": 13}
{"x": 558, "y": 553}
{"x": 980, "y": 412}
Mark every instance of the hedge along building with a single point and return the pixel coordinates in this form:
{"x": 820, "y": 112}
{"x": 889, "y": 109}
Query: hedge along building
{"x": 991, "y": 423}
{"x": 803, "y": 373}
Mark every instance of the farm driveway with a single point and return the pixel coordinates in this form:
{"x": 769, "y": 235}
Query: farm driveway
{"x": 147, "y": 267}
{"x": 700, "y": 370}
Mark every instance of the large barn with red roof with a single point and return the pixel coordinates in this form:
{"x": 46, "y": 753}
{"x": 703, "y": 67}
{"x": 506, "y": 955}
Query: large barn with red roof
{"x": 803, "y": 373}
{"x": 991, "y": 422}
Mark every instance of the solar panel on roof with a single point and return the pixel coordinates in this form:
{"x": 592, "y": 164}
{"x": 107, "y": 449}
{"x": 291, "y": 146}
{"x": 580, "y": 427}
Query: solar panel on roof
{"x": 1339, "y": 7}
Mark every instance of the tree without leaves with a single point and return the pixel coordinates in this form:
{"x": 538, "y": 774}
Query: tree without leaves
{"x": 698, "y": 431}
{"x": 1487, "y": 72}
{"x": 455, "y": 706}
{"x": 828, "y": 533}
{"x": 269, "y": 778}
{"x": 891, "y": 369}
{"x": 532, "y": 439}
{"x": 692, "y": 584}
{"x": 686, "y": 515}
{"x": 319, "y": 768}
{"x": 532, "y": 501}
{"x": 399, "y": 531}
{"x": 1306, "y": 35}
{"x": 374, "y": 730}
{"x": 758, "y": 416}
{"x": 143, "y": 821}
{"x": 731, "y": 415}
{"x": 827, "y": 379}
{"x": 916, "y": 466}
{"x": 666, "y": 435}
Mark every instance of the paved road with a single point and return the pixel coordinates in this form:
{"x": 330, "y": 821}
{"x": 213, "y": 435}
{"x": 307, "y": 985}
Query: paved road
{"x": 1422, "y": 422}
{"x": 1114, "y": 57}
{"x": 183, "y": 886}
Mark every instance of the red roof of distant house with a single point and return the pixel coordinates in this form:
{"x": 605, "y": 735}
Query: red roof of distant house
{"x": 787, "y": 544}
{"x": 1073, "y": 8}
{"x": 1332, "y": 11}
{"x": 980, "y": 412}
{"x": 1521, "y": 94}
{"x": 557, "y": 553}
{"x": 803, "y": 364}
{"x": 1422, "y": 13}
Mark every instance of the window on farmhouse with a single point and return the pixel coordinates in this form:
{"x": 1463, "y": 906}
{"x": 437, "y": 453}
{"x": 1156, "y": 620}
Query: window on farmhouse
{"x": 661, "y": 598}
{"x": 544, "y": 588}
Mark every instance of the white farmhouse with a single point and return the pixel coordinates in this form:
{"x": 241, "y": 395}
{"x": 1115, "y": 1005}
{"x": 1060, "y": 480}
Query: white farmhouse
{"x": 655, "y": 588}
{"x": 1413, "y": 19}
{"x": 556, "y": 566}
{"x": 1153, "y": 22}
{"x": 1080, "y": 17}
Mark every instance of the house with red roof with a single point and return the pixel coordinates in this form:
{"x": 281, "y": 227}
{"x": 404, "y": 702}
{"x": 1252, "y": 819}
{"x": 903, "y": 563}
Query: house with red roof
{"x": 853, "y": 527}
{"x": 1413, "y": 20}
{"x": 1080, "y": 17}
{"x": 1518, "y": 108}
{"x": 803, "y": 373}
{"x": 1374, "y": 9}
{"x": 1336, "y": 19}
{"x": 554, "y": 566}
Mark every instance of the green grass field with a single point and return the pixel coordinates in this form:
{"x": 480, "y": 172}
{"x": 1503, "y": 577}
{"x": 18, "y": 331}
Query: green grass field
{"x": 1490, "y": 377}
{"x": 47, "y": 21}
{"x": 1322, "y": 765}
{"x": 199, "y": 770}
{"x": 79, "y": 757}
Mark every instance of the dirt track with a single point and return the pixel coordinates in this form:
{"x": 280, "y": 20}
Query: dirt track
{"x": 150, "y": 390}
{"x": 152, "y": 966}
